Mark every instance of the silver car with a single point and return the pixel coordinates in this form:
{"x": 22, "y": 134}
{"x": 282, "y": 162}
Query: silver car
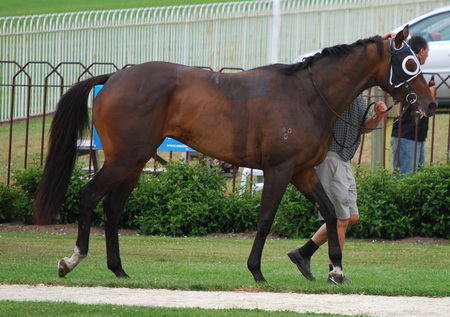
{"x": 435, "y": 27}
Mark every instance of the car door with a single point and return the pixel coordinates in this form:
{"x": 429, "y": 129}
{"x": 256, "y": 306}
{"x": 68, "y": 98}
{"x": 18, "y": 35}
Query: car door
{"x": 436, "y": 29}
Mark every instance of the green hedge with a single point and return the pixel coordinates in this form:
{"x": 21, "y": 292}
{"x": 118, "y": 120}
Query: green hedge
{"x": 189, "y": 199}
{"x": 192, "y": 199}
{"x": 391, "y": 206}
{"x": 395, "y": 206}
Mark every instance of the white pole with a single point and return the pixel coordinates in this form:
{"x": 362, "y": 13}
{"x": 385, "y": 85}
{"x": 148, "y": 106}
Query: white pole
{"x": 276, "y": 31}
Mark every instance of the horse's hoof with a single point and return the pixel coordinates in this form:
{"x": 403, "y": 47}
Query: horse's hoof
{"x": 336, "y": 278}
{"x": 124, "y": 275}
{"x": 120, "y": 273}
{"x": 63, "y": 269}
{"x": 259, "y": 278}
{"x": 345, "y": 280}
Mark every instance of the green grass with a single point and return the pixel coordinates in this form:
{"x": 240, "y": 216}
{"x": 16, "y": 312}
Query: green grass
{"x": 31, "y": 7}
{"x": 18, "y": 142}
{"x": 220, "y": 264}
{"x": 20, "y": 309}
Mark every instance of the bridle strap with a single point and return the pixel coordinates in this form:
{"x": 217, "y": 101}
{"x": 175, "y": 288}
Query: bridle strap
{"x": 320, "y": 93}
{"x": 391, "y": 54}
{"x": 316, "y": 87}
{"x": 361, "y": 126}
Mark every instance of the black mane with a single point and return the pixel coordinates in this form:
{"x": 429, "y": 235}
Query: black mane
{"x": 333, "y": 51}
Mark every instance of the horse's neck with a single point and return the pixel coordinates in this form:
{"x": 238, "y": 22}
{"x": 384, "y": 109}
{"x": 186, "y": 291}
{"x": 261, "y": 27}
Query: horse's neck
{"x": 357, "y": 72}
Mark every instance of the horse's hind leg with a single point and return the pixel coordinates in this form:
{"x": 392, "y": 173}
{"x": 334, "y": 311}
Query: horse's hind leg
{"x": 113, "y": 206}
{"x": 309, "y": 184}
{"x": 275, "y": 183}
{"x": 103, "y": 182}
{"x": 90, "y": 196}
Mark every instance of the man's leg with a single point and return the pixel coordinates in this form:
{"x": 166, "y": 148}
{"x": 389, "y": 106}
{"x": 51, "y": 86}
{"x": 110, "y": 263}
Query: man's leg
{"x": 338, "y": 181}
{"x": 320, "y": 237}
{"x": 420, "y": 155}
{"x": 407, "y": 149}
{"x": 302, "y": 256}
{"x": 394, "y": 147}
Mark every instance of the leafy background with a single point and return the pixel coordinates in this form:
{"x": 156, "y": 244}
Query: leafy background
{"x": 193, "y": 199}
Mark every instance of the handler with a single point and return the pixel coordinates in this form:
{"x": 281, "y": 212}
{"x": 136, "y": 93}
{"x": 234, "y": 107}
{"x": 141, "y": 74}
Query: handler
{"x": 336, "y": 175}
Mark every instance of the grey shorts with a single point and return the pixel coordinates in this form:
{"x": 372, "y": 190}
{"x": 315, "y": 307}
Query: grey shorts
{"x": 337, "y": 178}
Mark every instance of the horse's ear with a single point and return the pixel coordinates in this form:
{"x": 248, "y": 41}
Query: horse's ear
{"x": 406, "y": 31}
{"x": 401, "y": 36}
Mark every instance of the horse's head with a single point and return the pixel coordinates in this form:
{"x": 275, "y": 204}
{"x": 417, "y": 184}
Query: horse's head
{"x": 406, "y": 82}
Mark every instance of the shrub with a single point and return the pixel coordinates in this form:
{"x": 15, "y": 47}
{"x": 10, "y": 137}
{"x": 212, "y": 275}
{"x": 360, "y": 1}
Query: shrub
{"x": 378, "y": 206}
{"x": 16, "y": 201}
{"x": 239, "y": 213}
{"x": 395, "y": 206}
{"x": 391, "y": 206}
{"x": 191, "y": 199}
{"x": 15, "y": 205}
{"x": 28, "y": 180}
{"x": 296, "y": 217}
{"x": 26, "y": 183}
{"x": 187, "y": 199}
{"x": 69, "y": 212}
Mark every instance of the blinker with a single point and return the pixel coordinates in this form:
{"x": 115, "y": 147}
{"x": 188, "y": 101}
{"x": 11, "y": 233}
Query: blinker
{"x": 398, "y": 73}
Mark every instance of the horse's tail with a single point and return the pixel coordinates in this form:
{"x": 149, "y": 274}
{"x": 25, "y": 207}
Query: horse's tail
{"x": 70, "y": 120}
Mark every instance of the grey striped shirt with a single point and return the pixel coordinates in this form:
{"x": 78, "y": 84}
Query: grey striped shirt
{"x": 346, "y": 133}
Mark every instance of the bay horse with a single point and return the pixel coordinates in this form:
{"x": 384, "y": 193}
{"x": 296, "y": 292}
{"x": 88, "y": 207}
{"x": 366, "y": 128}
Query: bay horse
{"x": 277, "y": 118}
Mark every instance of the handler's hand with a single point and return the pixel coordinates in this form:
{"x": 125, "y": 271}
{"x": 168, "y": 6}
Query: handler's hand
{"x": 389, "y": 35}
{"x": 380, "y": 109}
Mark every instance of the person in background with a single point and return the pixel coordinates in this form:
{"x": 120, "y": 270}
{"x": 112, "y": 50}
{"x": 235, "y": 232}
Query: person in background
{"x": 403, "y": 145}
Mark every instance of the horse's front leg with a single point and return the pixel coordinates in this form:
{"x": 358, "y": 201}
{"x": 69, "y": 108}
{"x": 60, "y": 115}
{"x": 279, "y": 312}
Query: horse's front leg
{"x": 275, "y": 184}
{"x": 309, "y": 184}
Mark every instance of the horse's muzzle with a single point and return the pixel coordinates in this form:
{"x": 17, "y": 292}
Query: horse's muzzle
{"x": 432, "y": 107}
{"x": 420, "y": 111}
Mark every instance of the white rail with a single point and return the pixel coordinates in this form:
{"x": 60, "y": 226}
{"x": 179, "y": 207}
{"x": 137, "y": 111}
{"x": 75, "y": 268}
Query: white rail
{"x": 235, "y": 34}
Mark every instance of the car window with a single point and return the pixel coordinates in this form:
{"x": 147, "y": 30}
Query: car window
{"x": 434, "y": 28}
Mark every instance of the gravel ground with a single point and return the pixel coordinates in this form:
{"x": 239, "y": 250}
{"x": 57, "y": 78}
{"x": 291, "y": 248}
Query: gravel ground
{"x": 328, "y": 303}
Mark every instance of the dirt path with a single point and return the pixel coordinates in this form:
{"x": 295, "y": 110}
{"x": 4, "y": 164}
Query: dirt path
{"x": 328, "y": 303}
